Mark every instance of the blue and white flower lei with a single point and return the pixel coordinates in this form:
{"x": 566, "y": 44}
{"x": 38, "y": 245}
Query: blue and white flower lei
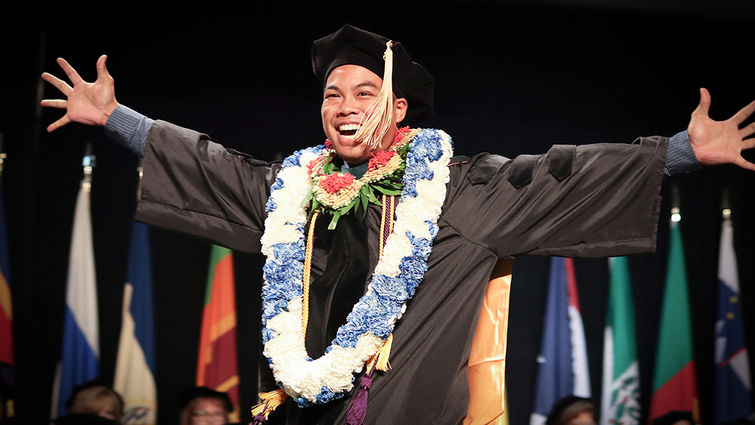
{"x": 397, "y": 275}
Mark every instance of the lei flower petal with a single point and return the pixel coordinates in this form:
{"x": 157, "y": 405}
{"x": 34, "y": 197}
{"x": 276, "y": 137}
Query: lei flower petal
{"x": 333, "y": 183}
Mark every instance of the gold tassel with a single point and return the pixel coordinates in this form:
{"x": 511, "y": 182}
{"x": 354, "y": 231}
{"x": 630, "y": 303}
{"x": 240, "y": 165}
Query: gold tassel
{"x": 269, "y": 401}
{"x": 379, "y": 116}
{"x": 381, "y": 356}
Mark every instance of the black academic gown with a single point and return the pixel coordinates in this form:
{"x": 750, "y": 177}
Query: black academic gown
{"x": 574, "y": 201}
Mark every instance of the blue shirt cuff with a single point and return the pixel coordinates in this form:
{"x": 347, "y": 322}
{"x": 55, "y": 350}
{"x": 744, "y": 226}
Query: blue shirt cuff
{"x": 680, "y": 158}
{"x": 129, "y": 128}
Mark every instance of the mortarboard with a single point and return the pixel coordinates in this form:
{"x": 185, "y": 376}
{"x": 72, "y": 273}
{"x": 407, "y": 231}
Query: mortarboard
{"x": 354, "y": 46}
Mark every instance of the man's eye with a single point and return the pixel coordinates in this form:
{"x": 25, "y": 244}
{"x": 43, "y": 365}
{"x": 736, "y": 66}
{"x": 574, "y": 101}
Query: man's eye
{"x": 365, "y": 93}
{"x": 329, "y": 95}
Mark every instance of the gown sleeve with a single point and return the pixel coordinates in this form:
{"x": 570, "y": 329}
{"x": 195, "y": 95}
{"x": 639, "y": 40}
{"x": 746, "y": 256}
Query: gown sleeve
{"x": 193, "y": 185}
{"x": 574, "y": 201}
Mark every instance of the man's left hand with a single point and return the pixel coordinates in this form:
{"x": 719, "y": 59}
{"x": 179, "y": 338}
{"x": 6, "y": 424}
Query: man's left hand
{"x": 720, "y": 142}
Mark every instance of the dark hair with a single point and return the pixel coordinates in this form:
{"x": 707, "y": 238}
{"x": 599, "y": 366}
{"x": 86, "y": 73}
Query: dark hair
{"x": 194, "y": 393}
{"x": 568, "y": 408}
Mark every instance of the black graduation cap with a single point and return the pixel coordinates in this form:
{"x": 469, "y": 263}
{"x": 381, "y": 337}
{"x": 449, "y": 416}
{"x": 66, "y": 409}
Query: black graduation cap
{"x": 354, "y": 46}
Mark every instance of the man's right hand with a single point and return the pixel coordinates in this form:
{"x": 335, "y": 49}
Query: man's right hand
{"x": 86, "y": 103}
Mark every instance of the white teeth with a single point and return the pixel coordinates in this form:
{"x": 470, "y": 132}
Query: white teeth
{"x": 348, "y": 127}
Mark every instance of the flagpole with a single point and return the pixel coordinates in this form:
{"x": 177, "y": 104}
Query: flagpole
{"x": 725, "y": 204}
{"x": 2, "y": 156}
{"x": 87, "y": 163}
{"x": 140, "y": 174}
{"x": 676, "y": 215}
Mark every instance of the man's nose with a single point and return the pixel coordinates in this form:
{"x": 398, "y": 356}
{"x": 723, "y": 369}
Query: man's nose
{"x": 348, "y": 106}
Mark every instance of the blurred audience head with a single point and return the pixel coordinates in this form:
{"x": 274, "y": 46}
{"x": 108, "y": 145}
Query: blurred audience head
{"x": 572, "y": 410}
{"x": 202, "y": 405}
{"x": 96, "y": 398}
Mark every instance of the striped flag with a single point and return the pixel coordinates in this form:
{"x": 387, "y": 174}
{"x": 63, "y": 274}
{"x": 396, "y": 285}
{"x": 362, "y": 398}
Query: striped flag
{"x": 621, "y": 374}
{"x": 79, "y": 361}
{"x": 732, "y": 387}
{"x": 135, "y": 364}
{"x": 674, "y": 380}
{"x": 563, "y": 366}
{"x": 7, "y": 360}
{"x": 217, "y": 365}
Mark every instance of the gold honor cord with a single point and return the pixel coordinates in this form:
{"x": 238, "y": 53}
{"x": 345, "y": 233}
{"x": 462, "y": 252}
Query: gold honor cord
{"x": 307, "y": 273}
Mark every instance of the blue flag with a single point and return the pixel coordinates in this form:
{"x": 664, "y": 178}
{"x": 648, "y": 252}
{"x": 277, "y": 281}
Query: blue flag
{"x": 732, "y": 398}
{"x": 562, "y": 368}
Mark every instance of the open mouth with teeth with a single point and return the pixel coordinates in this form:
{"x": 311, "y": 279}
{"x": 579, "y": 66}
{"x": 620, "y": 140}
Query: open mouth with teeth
{"x": 348, "y": 129}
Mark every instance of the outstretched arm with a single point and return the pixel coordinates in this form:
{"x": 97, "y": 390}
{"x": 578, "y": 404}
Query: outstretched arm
{"x": 85, "y": 103}
{"x": 720, "y": 142}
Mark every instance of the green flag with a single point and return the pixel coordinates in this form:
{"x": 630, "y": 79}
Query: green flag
{"x": 621, "y": 378}
{"x": 674, "y": 379}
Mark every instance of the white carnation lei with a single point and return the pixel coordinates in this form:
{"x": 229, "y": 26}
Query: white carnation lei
{"x": 397, "y": 274}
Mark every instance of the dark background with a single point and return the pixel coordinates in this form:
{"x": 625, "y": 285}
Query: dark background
{"x": 512, "y": 78}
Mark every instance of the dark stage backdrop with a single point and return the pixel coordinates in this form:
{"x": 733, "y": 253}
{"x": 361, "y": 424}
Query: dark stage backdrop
{"x": 511, "y": 79}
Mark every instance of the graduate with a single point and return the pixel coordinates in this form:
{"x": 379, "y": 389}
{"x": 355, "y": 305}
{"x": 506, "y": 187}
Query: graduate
{"x": 380, "y": 242}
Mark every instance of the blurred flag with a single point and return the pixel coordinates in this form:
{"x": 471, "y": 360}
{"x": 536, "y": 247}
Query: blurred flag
{"x": 621, "y": 374}
{"x": 732, "y": 388}
{"x": 563, "y": 367}
{"x": 7, "y": 362}
{"x": 217, "y": 365}
{"x": 135, "y": 365}
{"x": 674, "y": 380}
{"x": 79, "y": 361}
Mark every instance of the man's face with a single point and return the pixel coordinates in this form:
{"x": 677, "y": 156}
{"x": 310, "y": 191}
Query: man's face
{"x": 349, "y": 92}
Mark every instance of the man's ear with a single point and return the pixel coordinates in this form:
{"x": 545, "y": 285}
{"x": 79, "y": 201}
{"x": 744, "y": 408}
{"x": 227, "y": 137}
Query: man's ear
{"x": 400, "y": 107}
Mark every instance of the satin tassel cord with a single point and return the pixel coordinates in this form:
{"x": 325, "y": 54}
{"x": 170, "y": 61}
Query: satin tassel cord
{"x": 379, "y": 117}
{"x": 269, "y": 401}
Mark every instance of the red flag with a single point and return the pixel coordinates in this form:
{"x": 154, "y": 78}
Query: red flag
{"x": 217, "y": 366}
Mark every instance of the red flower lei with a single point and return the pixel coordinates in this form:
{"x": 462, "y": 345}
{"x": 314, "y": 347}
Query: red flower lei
{"x": 332, "y": 183}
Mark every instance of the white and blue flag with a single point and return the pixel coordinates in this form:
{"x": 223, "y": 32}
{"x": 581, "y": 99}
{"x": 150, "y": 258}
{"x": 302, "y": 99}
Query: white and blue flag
{"x": 732, "y": 387}
{"x": 135, "y": 365}
{"x": 79, "y": 360}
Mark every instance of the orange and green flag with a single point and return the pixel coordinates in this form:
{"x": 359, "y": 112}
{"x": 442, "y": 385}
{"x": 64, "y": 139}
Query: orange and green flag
{"x": 217, "y": 366}
{"x": 674, "y": 379}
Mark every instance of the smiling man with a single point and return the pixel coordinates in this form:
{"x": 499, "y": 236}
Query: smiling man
{"x": 380, "y": 243}
{"x": 350, "y": 93}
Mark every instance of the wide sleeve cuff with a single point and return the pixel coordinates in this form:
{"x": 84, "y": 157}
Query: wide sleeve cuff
{"x": 680, "y": 158}
{"x": 129, "y": 128}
